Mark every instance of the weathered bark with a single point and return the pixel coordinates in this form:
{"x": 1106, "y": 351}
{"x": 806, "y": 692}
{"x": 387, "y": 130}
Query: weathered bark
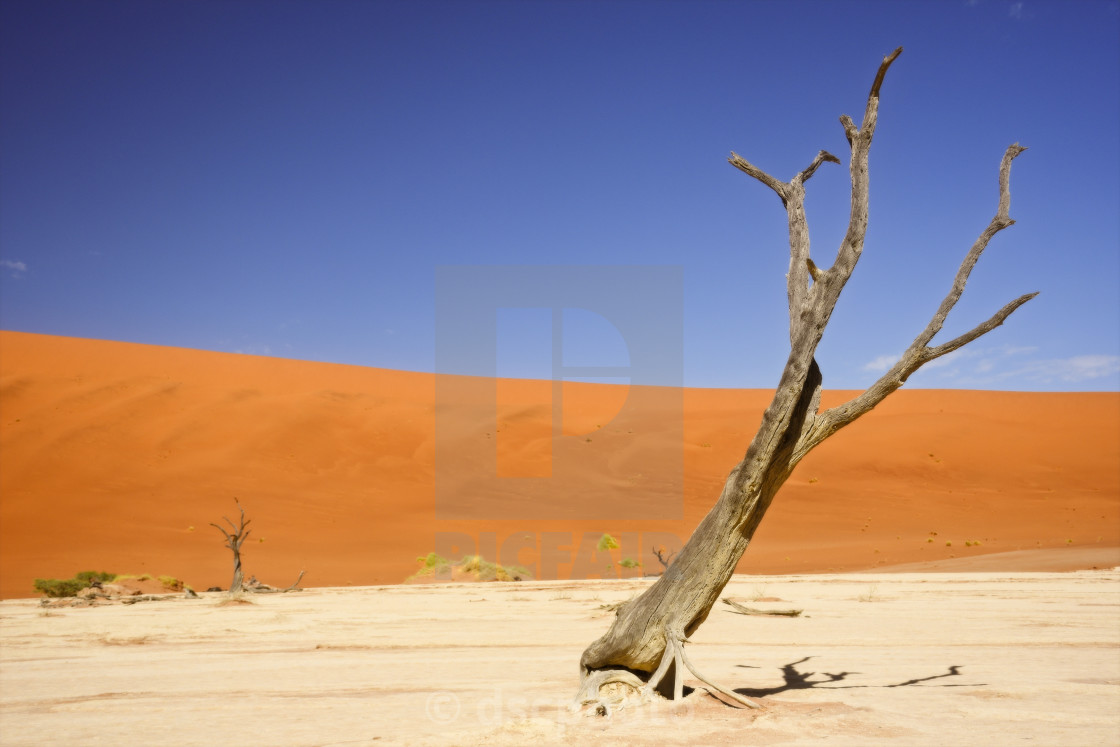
{"x": 233, "y": 542}
{"x": 648, "y": 632}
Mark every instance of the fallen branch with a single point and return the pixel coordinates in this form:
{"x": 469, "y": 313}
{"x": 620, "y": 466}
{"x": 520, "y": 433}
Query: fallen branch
{"x": 150, "y": 598}
{"x": 256, "y": 587}
{"x": 96, "y": 596}
{"x": 295, "y": 585}
{"x": 736, "y": 607}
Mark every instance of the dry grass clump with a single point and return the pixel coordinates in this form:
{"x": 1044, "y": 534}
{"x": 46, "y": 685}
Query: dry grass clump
{"x": 433, "y": 565}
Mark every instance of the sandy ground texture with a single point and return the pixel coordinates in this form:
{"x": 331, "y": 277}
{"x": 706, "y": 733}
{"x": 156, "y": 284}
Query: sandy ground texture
{"x": 914, "y": 659}
{"x": 117, "y": 457}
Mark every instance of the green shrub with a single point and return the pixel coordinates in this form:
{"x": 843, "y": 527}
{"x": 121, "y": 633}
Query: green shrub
{"x": 439, "y": 566}
{"x": 55, "y": 587}
{"x": 69, "y": 587}
{"x": 487, "y": 571}
{"x": 607, "y": 542}
{"x": 629, "y": 563}
{"x": 431, "y": 564}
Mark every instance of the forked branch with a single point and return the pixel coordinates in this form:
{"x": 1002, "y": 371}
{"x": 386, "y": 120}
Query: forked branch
{"x": 779, "y": 187}
{"x": 851, "y": 247}
{"x": 1000, "y": 221}
{"x": 810, "y": 311}
{"x": 808, "y": 171}
{"x": 919, "y": 353}
{"x": 239, "y": 533}
{"x": 792, "y": 194}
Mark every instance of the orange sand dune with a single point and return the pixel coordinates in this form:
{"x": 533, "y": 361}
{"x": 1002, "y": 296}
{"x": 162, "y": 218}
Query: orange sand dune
{"x": 117, "y": 457}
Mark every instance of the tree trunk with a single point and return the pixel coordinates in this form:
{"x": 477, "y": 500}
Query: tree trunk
{"x": 235, "y": 584}
{"x": 649, "y": 630}
{"x": 682, "y": 597}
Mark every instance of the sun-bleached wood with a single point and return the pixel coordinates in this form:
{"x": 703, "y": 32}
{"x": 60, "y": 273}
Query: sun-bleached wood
{"x": 646, "y": 640}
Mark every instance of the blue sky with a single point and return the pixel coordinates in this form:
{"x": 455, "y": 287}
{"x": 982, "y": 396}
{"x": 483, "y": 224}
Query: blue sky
{"x": 285, "y": 178}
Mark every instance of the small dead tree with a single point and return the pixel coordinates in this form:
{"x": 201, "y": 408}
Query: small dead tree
{"x": 660, "y": 553}
{"x": 644, "y": 648}
{"x": 234, "y": 538}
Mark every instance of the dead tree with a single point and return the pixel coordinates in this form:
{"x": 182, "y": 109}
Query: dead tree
{"x": 644, "y": 648}
{"x": 234, "y": 538}
{"x": 661, "y": 557}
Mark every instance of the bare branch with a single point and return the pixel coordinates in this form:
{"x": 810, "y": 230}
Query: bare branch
{"x": 981, "y": 329}
{"x": 809, "y": 170}
{"x": 919, "y": 353}
{"x": 883, "y": 72}
{"x": 792, "y": 194}
{"x": 1013, "y": 150}
{"x": 747, "y": 167}
{"x": 744, "y": 610}
{"x": 1001, "y": 221}
{"x": 296, "y": 582}
{"x": 837, "y": 417}
{"x": 860, "y": 141}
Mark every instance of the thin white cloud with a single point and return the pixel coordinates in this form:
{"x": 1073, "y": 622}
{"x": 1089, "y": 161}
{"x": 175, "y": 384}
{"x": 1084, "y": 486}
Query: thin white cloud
{"x": 254, "y": 350}
{"x": 880, "y": 364}
{"x": 1018, "y": 12}
{"x": 987, "y": 359}
{"x": 1009, "y": 365}
{"x": 1016, "y": 350}
{"x": 883, "y": 363}
{"x": 949, "y": 359}
{"x": 17, "y": 267}
{"x": 1013, "y": 365}
{"x": 1076, "y": 369}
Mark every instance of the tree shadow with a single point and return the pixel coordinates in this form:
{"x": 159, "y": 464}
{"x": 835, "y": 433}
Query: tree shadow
{"x": 798, "y": 680}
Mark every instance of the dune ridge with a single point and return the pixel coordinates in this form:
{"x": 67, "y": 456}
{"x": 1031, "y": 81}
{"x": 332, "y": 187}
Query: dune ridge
{"x": 117, "y": 456}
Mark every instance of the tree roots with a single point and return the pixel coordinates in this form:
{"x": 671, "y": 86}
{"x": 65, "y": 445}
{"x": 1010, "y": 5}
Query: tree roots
{"x": 610, "y": 690}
